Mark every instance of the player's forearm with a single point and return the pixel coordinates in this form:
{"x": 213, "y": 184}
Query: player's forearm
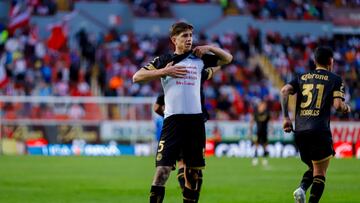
{"x": 225, "y": 57}
{"x": 285, "y": 102}
{"x": 144, "y": 75}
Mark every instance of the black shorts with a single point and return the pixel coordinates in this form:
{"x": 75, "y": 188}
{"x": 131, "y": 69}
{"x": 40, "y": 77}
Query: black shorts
{"x": 182, "y": 136}
{"x": 314, "y": 145}
{"x": 262, "y": 137}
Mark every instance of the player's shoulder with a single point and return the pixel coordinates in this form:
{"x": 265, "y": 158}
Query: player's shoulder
{"x": 164, "y": 58}
{"x": 334, "y": 76}
{"x": 160, "y": 61}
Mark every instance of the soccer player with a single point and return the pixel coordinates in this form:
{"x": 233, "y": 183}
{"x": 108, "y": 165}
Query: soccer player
{"x": 159, "y": 108}
{"x": 183, "y": 130}
{"x": 316, "y": 91}
{"x": 261, "y": 117}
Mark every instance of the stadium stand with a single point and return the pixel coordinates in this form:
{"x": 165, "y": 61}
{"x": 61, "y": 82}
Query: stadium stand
{"x": 54, "y": 56}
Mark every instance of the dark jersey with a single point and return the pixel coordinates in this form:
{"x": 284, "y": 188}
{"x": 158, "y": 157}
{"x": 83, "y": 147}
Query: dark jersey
{"x": 160, "y": 100}
{"x": 262, "y": 120}
{"x": 183, "y": 95}
{"x": 316, "y": 91}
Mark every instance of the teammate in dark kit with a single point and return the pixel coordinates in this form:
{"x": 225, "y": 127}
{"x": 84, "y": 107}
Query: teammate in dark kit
{"x": 316, "y": 92}
{"x": 183, "y": 131}
{"x": 261, "y": 117}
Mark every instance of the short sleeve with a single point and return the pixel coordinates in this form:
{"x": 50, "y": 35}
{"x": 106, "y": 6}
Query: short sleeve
{"x": 339, "y": 89}
{"x": 158, "y": 62}
{"x": 295, "y": 84}
{"x": 206, "y": 74}
{"x": 210, "y": 60}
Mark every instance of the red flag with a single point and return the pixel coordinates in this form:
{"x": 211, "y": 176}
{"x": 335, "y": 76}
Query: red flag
{"x": 20, "y": 20}
{"x": 57, "y": 39}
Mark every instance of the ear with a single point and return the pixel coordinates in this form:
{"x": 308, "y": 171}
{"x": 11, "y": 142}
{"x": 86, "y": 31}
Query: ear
{"x": 331, "y": 64}
{"x": 173, "y": 39}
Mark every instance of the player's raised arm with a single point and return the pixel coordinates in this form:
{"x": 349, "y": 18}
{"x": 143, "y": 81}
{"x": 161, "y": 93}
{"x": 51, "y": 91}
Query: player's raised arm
{"x": 146, "y": 75}
{"x": 224, "y": 57}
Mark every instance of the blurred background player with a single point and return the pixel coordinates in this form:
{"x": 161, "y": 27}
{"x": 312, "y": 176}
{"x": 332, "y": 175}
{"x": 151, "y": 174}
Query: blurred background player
{"x": 261, "y": 117}
{"x": 316, "y": 92}
{"x": 159, "y": 108}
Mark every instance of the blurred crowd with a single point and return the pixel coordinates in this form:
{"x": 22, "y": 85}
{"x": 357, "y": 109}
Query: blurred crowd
{"x": 107, "y": 62}
{"x": 262, "y": 9}
{"x": 95, "y": 65}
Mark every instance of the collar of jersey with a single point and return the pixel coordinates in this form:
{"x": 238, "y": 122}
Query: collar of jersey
{"x": 184, "y": 54}
{"x": 179, "y": 57}
{"x": 321, "y": 68}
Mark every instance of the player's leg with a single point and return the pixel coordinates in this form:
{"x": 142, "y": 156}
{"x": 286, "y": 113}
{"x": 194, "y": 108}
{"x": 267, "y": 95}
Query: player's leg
{"x": 193, "y": 182}
{"x": 157, "y": 191}
{"x": 167, "y": 154}
{"x": 264, "y": 143}
{"x": 193, "y": 156}
{"x": 181, "y": 175}
{"x": 307, "y": 178}
{"x": 318, "y": 185}
{"x": 323, "y": 151}
{"x": 302, "y": 145}
{"x": 305, "y": 183}
{"x": 255, "y": 159}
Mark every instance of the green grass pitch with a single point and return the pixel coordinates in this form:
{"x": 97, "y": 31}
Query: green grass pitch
{"x": 37, "y": 179}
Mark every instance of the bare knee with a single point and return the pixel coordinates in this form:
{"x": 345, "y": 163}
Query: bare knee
{"x": 320, "y": 168}
{"x": 161, "y": 175}
{"x": 181, "y": 164}
{"x": 319, "y": 172}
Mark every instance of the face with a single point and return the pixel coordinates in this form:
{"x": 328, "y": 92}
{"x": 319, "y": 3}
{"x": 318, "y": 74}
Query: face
{"x": 183, "y": 41}
{"x": 262, "y": 106}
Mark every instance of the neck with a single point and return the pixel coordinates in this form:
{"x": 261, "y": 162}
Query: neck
{"x": 321, "y": 68}
{"x": 180, "y": 51}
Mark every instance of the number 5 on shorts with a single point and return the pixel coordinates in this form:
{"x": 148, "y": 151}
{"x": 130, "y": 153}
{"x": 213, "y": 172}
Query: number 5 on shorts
{"x": 161, "y": 146}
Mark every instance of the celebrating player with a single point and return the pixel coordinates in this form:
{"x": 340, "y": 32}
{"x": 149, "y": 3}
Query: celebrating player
{"x": 183, "y": 130}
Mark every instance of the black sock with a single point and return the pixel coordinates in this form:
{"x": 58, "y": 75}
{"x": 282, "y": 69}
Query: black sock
{"x": 307, "y": 180}
{"x": 157, "y": 194}
{"x": 266, "y": 153}
{"x": 317, "y": 189}
{"x": 181, "y": 178}
{"x": 190, "y": 196}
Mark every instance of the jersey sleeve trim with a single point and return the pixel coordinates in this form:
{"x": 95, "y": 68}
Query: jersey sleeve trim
{"x": 150, "y": 67}
{"x": 338, "y": 94}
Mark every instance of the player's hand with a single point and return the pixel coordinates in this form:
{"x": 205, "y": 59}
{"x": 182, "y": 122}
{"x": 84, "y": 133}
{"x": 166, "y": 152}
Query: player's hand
{"x": 287, "y": 125}
{"x": 348, "y": 109}
{"x": 175, "y": 71}
{"x": 199, "y": 51}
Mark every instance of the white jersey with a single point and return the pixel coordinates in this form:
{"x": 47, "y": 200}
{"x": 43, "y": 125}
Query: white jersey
{"x": 182, "y": 95}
